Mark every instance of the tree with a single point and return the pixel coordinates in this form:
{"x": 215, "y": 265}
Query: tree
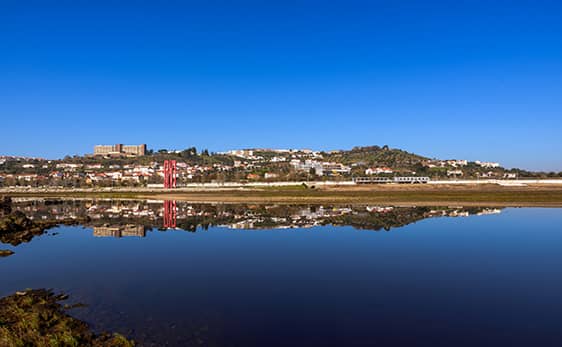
{"x": 189, "y": 152}
{"x": 312, "y": 172}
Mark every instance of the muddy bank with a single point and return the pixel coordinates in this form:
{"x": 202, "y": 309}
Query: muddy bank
{"x": 396, "y": 196}
{"x": 37, "y": 318}
{"x": 404, "y": 195}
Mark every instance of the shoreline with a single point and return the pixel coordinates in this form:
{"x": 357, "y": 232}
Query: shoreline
{"x": 41, "y": 317}
{"x": 538, "y": 195}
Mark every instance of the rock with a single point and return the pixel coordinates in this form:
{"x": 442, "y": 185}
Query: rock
{"x": 5, "y": 252}
{"x": 36, "y": 318}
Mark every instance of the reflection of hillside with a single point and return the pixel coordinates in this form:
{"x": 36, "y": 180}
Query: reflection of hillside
{"x": 394, "y": 217}
{"x": 397, "y": 217}
{"x": 118, "y": 218}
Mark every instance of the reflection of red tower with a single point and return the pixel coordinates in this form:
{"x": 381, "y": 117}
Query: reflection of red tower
{"x": 170, "y": 213}
{"x": 170, "y": 173}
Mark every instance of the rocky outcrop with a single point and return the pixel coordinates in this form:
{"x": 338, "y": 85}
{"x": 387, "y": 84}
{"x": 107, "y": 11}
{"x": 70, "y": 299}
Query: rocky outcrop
{"x": 37, "y": 318}
{"x": 5, "y": 253}
{"x": 16, "y": 227}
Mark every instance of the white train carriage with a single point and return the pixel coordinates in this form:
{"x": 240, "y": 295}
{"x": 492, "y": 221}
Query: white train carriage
{"x": 381, "y": 180}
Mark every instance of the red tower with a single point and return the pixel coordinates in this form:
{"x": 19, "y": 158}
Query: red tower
{"x": 170, "y": 173}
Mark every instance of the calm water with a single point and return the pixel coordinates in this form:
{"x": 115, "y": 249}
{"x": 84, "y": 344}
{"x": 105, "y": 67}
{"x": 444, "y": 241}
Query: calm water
{"x": 491, "y": 278}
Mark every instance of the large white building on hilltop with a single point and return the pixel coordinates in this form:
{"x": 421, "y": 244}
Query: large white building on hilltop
{"x": 120, "y": 149}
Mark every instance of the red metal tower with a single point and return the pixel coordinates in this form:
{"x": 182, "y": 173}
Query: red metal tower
{"x": 170, "y": 173}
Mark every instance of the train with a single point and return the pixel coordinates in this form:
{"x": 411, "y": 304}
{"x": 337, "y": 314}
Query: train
{"x": 398, "y": 179}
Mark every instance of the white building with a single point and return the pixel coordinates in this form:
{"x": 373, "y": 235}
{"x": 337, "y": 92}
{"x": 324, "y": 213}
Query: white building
{"x": 457, "y": 163}
{"x": 486, "y": 164}
{"x": 378, "y": 170}
{"x": 454, "y": 173}
{"x": 68, "y": 167}
{"x": 335, "y": 168}
{"x": 307, "y": 165}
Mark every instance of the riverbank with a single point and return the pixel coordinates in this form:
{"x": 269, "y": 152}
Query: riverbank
{"x": 547, "y": 195}
{"x": 401, "y": 195}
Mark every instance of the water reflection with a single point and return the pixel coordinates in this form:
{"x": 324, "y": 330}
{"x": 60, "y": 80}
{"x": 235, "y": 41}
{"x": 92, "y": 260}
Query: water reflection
{"x": 449, "y": 281}
{"x": 170, "y": 214}
{"x": 122, "y": 218}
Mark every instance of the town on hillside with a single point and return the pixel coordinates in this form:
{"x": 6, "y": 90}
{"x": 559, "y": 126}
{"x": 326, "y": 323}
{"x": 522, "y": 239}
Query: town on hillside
{"x": 138, "y": 166}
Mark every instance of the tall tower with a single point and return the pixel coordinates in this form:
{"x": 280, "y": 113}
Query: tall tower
{"x": 170, "y": 173}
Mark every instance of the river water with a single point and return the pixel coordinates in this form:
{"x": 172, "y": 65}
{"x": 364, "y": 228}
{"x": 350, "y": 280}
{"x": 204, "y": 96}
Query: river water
{"x": 180, "y": 274}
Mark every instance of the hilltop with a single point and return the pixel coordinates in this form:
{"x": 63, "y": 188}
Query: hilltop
{"x": 376, "y": 156}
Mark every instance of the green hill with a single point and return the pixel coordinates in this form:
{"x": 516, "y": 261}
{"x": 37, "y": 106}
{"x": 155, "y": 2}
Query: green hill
{"x": 376, "y": 156}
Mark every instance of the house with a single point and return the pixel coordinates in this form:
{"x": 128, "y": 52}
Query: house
{"x": 67, "y": 166}
{"x": 144, "y": 170}
{"x": 307, "y": 165}
{"x": 454, "y": 173}
{"x": 96, "y": 177}
{"x": 94, "y": 166}
{"x": 335, "y": 168}
{"x": 488, "y": 165}
{"x": 114, "y": 175}
{"x": 242, "y": 153}
{"x": 378, "y": 170}
{"x": 278, "y": 159}
{"x": 457, "y": 163}
{"x": 379, "y": 209}
{"x": 27, "y": 178}
{"x": 56, "y": 174}
{"x": 488, "y": 174}
{"x": 130, "y": 178}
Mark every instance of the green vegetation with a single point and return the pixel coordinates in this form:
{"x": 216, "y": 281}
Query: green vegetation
{"x": 376, "y": 156}
{"x": 36, "y": 318}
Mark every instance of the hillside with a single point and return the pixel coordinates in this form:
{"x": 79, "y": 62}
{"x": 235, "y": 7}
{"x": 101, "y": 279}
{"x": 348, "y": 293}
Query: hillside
{"x": 245, "y": 165}
{"x": 376, "y": 156}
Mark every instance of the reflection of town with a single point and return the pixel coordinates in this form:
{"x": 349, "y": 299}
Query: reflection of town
{"x": 122, "y": 218}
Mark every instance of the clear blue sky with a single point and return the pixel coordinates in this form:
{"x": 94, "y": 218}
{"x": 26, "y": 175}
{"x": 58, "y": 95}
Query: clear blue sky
{"x": 451, "y": 79}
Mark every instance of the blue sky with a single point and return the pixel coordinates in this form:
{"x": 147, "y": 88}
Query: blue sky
{"x": 451, "y": 79}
